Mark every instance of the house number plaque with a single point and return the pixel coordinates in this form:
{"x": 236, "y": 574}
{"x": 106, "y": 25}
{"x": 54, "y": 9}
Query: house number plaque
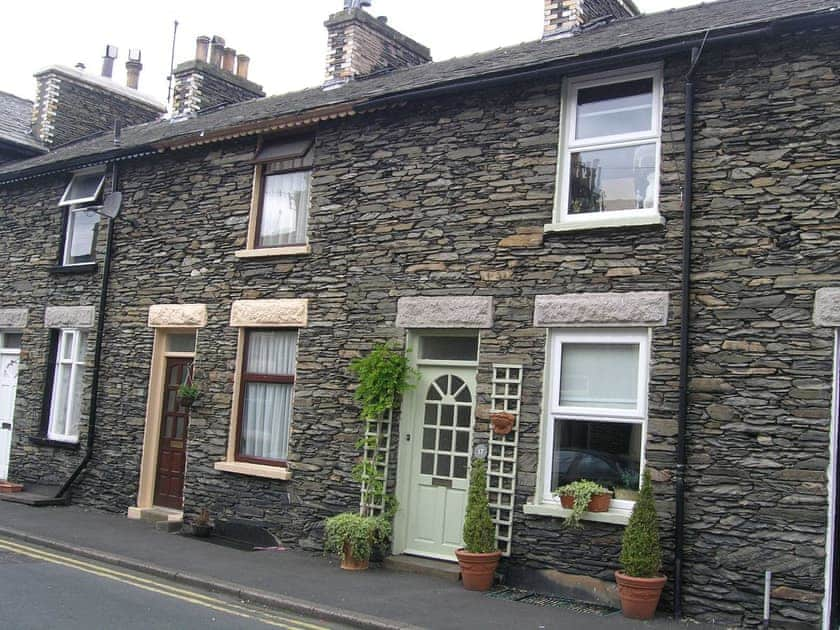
{"x": 480, "y": 450}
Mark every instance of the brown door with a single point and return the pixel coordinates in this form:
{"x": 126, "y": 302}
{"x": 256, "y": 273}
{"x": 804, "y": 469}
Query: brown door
{"x": 172, "y": 451}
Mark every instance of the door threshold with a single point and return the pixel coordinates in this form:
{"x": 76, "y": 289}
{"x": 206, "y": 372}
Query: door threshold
{"x": 445, "y": 569}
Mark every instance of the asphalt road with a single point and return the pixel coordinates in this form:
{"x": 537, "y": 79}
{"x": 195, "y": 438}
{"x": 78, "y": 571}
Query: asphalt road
{"x": 46, "y": 589}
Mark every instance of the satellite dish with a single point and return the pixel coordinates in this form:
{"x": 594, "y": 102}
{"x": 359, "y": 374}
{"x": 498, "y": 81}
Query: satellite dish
{"x": 111, "y": 205}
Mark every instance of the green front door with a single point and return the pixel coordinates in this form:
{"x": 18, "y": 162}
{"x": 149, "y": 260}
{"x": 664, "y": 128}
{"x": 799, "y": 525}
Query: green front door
{"x": 436, "y": 444}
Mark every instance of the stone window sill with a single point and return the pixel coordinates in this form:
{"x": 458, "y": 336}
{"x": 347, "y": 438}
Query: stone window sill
{"x": 74, "y": 269}
{"x": 270, "y": 252}
{"x": 596, "y": 223}
{"x": 614, "y": 516}
{"x": 255, "y": 470}
{"x": 45, "y": 441}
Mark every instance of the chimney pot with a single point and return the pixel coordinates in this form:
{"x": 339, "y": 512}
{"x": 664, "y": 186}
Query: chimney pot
{"x": 217, "y": 47}
{"x": 133, "y": 68}
{"x": 108, "y": 60}
{"x": 202, "y": 45}
{"x": 228, "y": 59}
{"x": 242, "y": 62}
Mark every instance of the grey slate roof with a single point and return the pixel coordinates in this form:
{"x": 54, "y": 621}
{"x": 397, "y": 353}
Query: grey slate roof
{"x": 626, "y": 34}
{"x": 15, "y": 118}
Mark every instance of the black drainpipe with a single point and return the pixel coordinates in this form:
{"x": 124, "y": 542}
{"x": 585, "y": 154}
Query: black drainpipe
{"x": 685, "y": 322}
{"x": 100, "y": 328}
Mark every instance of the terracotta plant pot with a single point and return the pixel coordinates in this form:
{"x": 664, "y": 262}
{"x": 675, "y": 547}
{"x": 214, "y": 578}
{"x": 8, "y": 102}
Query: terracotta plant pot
{"x": 478, "y": 569}
{"x": 502, "y": 422}
{"x": 350, "y": 563}
{"x": 598, "y": 503}
{"x": 639, "y": 596}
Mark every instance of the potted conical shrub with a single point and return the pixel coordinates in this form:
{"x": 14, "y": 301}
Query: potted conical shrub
{"x": 480, "y": 555}
{"x": 640, "y": 583}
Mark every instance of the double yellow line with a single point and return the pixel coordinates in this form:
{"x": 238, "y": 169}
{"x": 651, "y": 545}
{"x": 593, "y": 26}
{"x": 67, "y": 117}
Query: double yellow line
{"x": 154, "y": 586}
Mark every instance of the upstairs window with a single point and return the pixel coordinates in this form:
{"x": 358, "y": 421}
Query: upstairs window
{"x": 81, "y": 199}
{"x": 611, "y": 146}
{"x": 283, "y": 176}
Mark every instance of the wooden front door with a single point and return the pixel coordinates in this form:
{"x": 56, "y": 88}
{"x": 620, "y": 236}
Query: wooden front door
{"x": 439, "y": 448}
{"x": 172, "y": 449}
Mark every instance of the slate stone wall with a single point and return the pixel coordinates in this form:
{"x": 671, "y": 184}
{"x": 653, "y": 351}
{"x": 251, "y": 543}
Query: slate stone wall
{"x": 449, "y": 198}
{"x": 29, "y": 248}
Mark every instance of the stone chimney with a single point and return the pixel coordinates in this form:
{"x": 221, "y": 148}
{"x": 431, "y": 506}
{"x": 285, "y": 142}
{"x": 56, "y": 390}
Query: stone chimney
{"x": 566, "y": 17}
{"x": 133, "y": 68}
{"x": 71, "y": 104}
{"x": 111, "y": 53}
{"x": 360, "y": 44}
{"x": 221, "y": 79}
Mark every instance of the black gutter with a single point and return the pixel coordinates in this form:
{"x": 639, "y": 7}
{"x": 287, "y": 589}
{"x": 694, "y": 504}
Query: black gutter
{"x": 82, "y": 161}
{"x": 97, "y": 353}
{"x": 685, "y": 327}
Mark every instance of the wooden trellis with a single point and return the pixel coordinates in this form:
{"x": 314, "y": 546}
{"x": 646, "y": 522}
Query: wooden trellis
{"x": 501, "y": 458}
{"x": 377, "y": 449}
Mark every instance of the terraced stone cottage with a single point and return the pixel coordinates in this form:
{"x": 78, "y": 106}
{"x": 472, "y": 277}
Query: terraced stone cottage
{"x": 518, "y": 222}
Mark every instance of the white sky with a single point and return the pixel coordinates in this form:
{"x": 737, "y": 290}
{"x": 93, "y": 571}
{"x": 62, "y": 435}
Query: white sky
{"x": 285, "y": 39}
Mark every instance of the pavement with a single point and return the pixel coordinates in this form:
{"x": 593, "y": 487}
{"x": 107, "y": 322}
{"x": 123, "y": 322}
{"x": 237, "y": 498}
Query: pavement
{"x": 297, "y": 581}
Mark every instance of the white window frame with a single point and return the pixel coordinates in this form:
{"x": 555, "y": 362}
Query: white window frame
{"x": 71, "y": 414}
{"x": 569, "y": 145}
{"x": 68, "y": 231}
{"x": 80, "y": 204}
{"x": 558, "y": 337}
{"x": 83, "y": 200}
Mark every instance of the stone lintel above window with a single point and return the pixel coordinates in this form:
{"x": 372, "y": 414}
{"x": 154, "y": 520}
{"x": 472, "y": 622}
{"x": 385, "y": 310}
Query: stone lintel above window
{"x": 178, "y": 316}
{"x": 827, "y": 307}
{"x": 69, "y": 317}
{"x": 283, "y": 313}
{"x": 445, "y": 312}
{"x": 14, "y": 317}
{"x": 640, "y": 308}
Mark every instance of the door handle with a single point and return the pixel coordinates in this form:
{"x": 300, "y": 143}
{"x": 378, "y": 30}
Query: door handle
{"x": 6, "y": 425}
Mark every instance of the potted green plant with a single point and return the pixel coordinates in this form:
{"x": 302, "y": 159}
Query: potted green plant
{"x": 640, "y": 582}
{"x": 480, "y": 554}
{"x": 383, "y": 374}
{"x": 201, "y": 525}
{"x": 187, "y": 394}
{"x": 353, "y": 537}
{"x": 583, "y": 496}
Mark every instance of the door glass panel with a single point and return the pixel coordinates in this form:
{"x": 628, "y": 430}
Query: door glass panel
{"x": 443, "y": 465}
{"x": 180, "y": 342}
{"x": 462, "y": 441}
{"x": 428, "y": 438}
{"x": 445, "y": 440}
{"x": 427, "y": 464}
{"x": 464, "y": 416}
{"x": 460, "y": 468}
{"x": 449, "y": 348}
{"x": 431, "y": 413}
{"x": 446, "y": 415}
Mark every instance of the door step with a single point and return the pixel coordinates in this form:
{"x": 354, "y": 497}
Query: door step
{"x": 36, "y": 496}
{"x": 8, "y": 486}
{"x": 423, "y": 566}
{"x": 163, "y": 519}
